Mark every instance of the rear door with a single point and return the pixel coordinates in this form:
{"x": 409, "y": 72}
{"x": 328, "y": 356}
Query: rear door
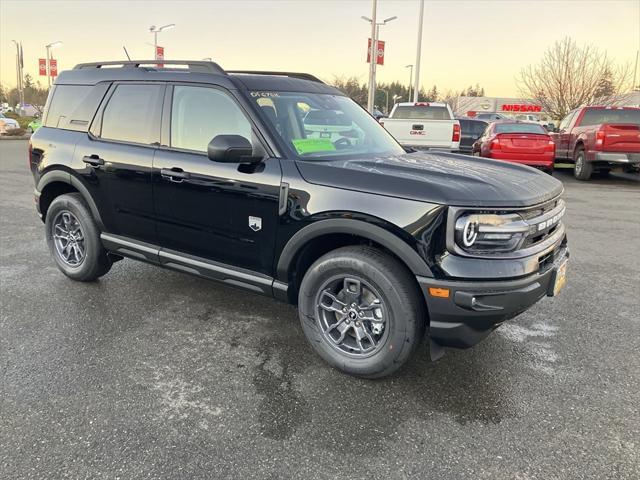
{"x": 223, "y": 212}
{"x": 116, "y": 156}
{"x": 563, "y": 137}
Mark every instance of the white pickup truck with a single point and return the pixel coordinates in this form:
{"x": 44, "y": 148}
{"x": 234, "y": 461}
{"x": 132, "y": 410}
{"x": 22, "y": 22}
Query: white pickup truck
{"x": 424, "y": 125}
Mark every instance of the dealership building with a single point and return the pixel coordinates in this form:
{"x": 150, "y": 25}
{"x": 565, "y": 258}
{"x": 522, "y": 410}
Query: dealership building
{"x": 471, "y": 106}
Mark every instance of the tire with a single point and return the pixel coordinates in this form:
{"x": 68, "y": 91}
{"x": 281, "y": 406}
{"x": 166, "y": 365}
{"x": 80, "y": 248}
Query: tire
{"x": 75, "y": 246}
{"x": 400, "y": 313}
{"x": 582, "y": 169}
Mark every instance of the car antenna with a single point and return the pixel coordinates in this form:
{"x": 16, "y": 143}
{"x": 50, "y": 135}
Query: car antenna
{"x": 126, "y": 53}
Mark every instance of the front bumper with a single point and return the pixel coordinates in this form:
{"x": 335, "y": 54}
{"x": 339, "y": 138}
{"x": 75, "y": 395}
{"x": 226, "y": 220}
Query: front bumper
{"x": 473, "y": 309}
{"x": 624, "y": 158}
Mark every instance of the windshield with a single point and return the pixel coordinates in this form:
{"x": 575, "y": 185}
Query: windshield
{"x": 519, "y": 128}
{"x": 325, "y": 126}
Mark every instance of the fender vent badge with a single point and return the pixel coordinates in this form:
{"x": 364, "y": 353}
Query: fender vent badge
{"x": 255, "y": 223}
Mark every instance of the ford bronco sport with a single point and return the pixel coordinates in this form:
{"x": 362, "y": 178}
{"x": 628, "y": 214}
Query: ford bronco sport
{"x": 217, "y": 174}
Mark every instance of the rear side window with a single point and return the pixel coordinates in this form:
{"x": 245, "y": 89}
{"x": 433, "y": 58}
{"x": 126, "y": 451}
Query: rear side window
{"x": 198, "y": 114}
{"x": 133, "y": 114}
{"x": 422, "y": 113}
{"x": 594, "y": 116}
{"x": 65, "y": 99}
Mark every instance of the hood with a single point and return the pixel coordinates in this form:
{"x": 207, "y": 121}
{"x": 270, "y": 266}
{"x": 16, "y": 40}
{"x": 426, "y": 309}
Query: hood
{"x": 444, "y": 178}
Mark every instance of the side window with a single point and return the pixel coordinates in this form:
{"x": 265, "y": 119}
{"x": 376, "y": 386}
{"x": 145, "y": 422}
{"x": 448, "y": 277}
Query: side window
{"x": 198, "y": 114}
{"x": 133, "y": 113}
{"x": 566, "y": 120}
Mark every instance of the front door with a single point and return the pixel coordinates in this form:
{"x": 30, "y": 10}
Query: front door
{"x": 227, "y": 213}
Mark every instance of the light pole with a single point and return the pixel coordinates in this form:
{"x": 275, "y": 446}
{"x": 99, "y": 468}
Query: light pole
{"x": 410, "y": 67}
{"x": 396, "y": 98}
{"x": 386, "y": 92}
{"x": 416, "y": 86}
{"x": 373, "y": 54}
{"x": 49, "y": 47}
{"x": 155, "y": 30}
{"x": 19, "y": 73}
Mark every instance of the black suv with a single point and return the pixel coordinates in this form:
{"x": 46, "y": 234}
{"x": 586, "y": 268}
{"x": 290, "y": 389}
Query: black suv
{"x": 236, "y": 177}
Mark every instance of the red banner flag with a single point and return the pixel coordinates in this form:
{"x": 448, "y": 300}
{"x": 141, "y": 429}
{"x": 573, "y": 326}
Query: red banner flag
{"x": 160, "y": 56}
{"x": 380, "y": 56}
{"x": 42, "y": 66}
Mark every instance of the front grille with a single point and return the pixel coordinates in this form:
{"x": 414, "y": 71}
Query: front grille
{"x": 539, "y": 210}
{"x": 543, "y": 222}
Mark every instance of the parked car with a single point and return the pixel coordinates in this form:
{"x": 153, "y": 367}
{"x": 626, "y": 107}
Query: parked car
{"x": 491, "y": 117}
{"x": 599, "y": 138}
{"x": 7, "y": 124}
{"x": 377, "y": 114}
{"x": 34, "y": 125}
{"x": 470, "y": 131}
{"x": 518, "y": 142}
{"x": 333, "y": 125}
{"x": 423, "y": 125}
{"x": 212, "y": 173}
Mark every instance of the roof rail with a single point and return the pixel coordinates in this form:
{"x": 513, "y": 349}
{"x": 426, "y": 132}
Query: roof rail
{"x": 303, "y": 76}
{"x": 194, "y": 66}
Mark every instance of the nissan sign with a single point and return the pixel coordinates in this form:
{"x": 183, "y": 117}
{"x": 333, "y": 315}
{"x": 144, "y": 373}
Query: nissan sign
{"x": 520, "y": 107}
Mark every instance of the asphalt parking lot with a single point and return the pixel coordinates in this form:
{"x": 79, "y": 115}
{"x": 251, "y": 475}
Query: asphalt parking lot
{"x": 149, "y": 373}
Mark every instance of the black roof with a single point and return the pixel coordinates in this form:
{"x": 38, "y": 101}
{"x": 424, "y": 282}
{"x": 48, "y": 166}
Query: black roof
{"x": 192, "y": 71}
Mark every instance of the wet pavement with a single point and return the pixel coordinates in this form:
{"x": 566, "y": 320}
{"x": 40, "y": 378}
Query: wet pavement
{"x": 149, "y": 373}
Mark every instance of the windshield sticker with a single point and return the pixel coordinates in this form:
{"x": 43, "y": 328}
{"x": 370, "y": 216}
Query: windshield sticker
{"x": 312, "y": 145}
{"x": 264, "y": 94}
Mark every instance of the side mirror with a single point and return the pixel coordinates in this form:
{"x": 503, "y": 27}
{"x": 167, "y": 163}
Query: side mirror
{"x": 231, "y": 149}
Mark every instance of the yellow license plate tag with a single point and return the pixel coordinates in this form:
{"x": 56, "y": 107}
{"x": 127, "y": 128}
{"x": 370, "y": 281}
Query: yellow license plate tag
{"x": 561, "y": 278}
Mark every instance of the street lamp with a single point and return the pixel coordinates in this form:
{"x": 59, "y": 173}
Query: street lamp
{"x": 396, "y": 98}
{"x": 386, "y": 92}
{"x": 49, "y": 47}
{"x": 155, "y": 30}
{"x": 373, "y": 53}
{"x": 410, "y": 67}
{"x": 19, "y": 72}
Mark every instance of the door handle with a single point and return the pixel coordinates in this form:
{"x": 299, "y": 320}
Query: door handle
{"x": 93, "y": 160}
{"x": 175, "y": 174}
{"x": 417, "y": 126}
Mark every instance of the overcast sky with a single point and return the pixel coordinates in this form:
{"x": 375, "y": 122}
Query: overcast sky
{"x": 464, "y": 42}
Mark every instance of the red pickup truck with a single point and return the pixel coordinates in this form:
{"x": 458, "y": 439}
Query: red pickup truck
{"x": 599, "y": 138}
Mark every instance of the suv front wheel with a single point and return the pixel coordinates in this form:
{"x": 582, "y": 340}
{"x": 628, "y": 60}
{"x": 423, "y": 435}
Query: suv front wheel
{"x": 361, "y": 311}
{"x": 74, "y": 239}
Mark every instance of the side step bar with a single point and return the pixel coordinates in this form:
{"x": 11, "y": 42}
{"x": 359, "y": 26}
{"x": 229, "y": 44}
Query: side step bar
{"x": 201, "y": 267}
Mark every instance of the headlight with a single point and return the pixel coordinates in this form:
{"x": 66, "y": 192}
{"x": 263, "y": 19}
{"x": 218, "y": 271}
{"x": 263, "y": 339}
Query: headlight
{"x": 484, "y": 232}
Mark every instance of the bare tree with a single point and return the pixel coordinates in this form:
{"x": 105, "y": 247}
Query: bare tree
{"x": 570, "y": 75}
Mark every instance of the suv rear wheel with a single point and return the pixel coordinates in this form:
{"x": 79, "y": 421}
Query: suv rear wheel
{"x": 74, "y": 239}
{"x": 361, "y": 311}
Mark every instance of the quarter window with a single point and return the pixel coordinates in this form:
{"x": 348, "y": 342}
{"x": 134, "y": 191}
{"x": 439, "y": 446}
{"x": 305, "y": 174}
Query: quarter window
{"x": 132, "y": 114}
{"x": 199, "y": 114}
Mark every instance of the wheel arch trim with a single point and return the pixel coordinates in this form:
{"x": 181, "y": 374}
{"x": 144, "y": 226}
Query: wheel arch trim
{"x": 62, "y": 176}
{"x": 377, "y": 234}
